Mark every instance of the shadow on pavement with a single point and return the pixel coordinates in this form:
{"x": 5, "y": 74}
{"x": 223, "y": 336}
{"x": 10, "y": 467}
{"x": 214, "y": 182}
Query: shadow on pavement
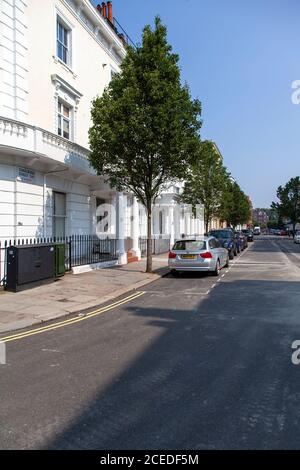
{"x": 218, "y": 376}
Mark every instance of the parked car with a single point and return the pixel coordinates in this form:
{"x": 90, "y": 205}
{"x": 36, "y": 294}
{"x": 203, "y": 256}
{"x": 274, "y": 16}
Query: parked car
{"x": 204, "y": 254}
{"x": 249, "y": 234}
{"x": 227, "y": 239}
{"x": 241, "y": 240}
{"x": 297, "y": 236}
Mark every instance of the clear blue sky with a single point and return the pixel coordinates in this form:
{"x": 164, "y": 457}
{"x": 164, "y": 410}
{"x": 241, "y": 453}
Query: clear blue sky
{"x": 239, "y": 58}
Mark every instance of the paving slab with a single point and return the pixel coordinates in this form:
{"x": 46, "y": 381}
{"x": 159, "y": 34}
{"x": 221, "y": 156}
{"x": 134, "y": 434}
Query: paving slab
{"x": 74, "y": 293}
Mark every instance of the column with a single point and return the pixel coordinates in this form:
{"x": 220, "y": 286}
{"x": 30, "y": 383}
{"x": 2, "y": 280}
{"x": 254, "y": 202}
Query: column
{"x": 135, "y": 228}
{"x": 172, "y": 225}
{"x": 120, "y": 225}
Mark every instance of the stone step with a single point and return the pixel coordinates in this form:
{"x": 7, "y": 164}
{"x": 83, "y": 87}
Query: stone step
{"x": 131, "y": 258}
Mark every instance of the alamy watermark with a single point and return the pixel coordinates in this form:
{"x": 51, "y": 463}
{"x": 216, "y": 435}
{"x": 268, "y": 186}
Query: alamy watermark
{"x": 165, "y": 217}
{"x": 295, "y": 97}
{"x": 296, "y": 354}
{"x": 2, "y": 353}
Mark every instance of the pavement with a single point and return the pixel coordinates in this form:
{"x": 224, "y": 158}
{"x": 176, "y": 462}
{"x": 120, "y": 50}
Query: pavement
{"x": 184, "y": 363}
{"x": 74, "y": 293}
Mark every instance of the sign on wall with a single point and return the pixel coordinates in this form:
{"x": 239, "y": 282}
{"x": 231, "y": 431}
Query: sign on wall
{"x": 26, "y": 175}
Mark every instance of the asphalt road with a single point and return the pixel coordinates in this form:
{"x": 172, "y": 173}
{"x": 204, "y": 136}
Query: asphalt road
{"x": 190, "y": 364}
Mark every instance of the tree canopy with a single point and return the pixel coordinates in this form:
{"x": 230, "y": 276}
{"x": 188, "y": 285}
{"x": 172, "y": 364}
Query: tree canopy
{"x": 206, "y": 181}
{"x": 235, "y": 207}
{"x": 145, "y": 125}
{"x": 289, "y": 201}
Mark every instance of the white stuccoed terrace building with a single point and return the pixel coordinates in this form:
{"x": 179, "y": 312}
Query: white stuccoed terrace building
{"x": 56, "y": 56}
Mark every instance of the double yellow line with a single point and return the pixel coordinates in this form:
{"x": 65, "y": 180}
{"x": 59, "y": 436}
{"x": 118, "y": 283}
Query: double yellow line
{"x": 71, "y": 321}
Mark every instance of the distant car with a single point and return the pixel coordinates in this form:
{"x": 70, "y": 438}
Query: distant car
{"x": 256, "y": 230}
{"x": 249, "y": 234}
{"x": 227, "y": 239}
{"x": 204, "y": 254}
{"x": 297, "y": 237}
{"x": 282, "y": 233}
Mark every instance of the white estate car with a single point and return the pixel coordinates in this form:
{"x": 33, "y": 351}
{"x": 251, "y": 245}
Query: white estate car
{"x": 204, "y": 254}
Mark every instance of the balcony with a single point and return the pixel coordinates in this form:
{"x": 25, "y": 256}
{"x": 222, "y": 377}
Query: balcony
{"x": 24, "y": 141}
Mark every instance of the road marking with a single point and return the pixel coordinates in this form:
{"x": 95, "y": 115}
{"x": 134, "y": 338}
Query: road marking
{"x": 71, "y": 321}
{"x": 164, "y": 293}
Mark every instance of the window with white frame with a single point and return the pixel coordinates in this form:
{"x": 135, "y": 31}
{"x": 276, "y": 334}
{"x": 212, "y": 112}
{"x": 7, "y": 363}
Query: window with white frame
{"x": 64, "y": 120}
{"x": 63, "y": 41}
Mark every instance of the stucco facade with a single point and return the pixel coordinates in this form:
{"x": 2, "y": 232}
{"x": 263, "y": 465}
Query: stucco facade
{"x": 56, "y": 57}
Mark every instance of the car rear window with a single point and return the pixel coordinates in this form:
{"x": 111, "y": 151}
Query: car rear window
{"x": 189, "y": 245}
{"x": 221, "y": 234}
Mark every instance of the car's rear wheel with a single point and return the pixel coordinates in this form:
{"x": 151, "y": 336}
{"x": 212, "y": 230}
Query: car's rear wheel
{"x": 217, "y": 268}
{"x": 227, "y": 262}
{"x": 231, "y": 254}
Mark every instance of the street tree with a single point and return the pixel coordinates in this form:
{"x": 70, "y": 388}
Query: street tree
{"x": 289, "y": 201}
{"x": 145, "y": 125}
{"x": 235, "y": 208}
{"x": 206, "y": 181}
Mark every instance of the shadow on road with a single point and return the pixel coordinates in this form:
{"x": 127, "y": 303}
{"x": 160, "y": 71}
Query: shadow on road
{"x": 218, "y": 376}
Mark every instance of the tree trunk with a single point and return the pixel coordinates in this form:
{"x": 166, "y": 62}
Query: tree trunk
{"x": 206, "y": 221}
{"x": 149, "y": 239}
{"x": 206, "y": 227}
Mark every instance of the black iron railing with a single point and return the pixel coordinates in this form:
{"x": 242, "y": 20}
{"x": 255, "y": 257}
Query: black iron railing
{"x": 120, "y": 31}
{"x": 89, "y": 249}
{"x": 159, "y": 245}
{"x": 79, "y": 250}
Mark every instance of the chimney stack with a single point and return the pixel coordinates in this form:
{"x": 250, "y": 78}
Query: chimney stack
{"x": 110, "y": 12}
{"x": 104, "y": 10}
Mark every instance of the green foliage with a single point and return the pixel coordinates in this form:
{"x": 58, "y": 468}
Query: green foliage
{"x": 145, "y": 125}
{"x": 235, "y": 207}
{"x": 289, "y": 201}
{"x": 206, "y": 181}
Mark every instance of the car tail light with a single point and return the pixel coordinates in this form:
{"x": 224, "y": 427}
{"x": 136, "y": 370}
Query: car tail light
{"x": 206, "y": 255}
{"x": 172, "y": 255}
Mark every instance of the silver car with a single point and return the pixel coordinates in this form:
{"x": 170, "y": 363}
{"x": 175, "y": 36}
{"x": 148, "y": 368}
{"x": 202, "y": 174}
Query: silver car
{"x": 297, "y": 237}
{"x": 203, "y": 254}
